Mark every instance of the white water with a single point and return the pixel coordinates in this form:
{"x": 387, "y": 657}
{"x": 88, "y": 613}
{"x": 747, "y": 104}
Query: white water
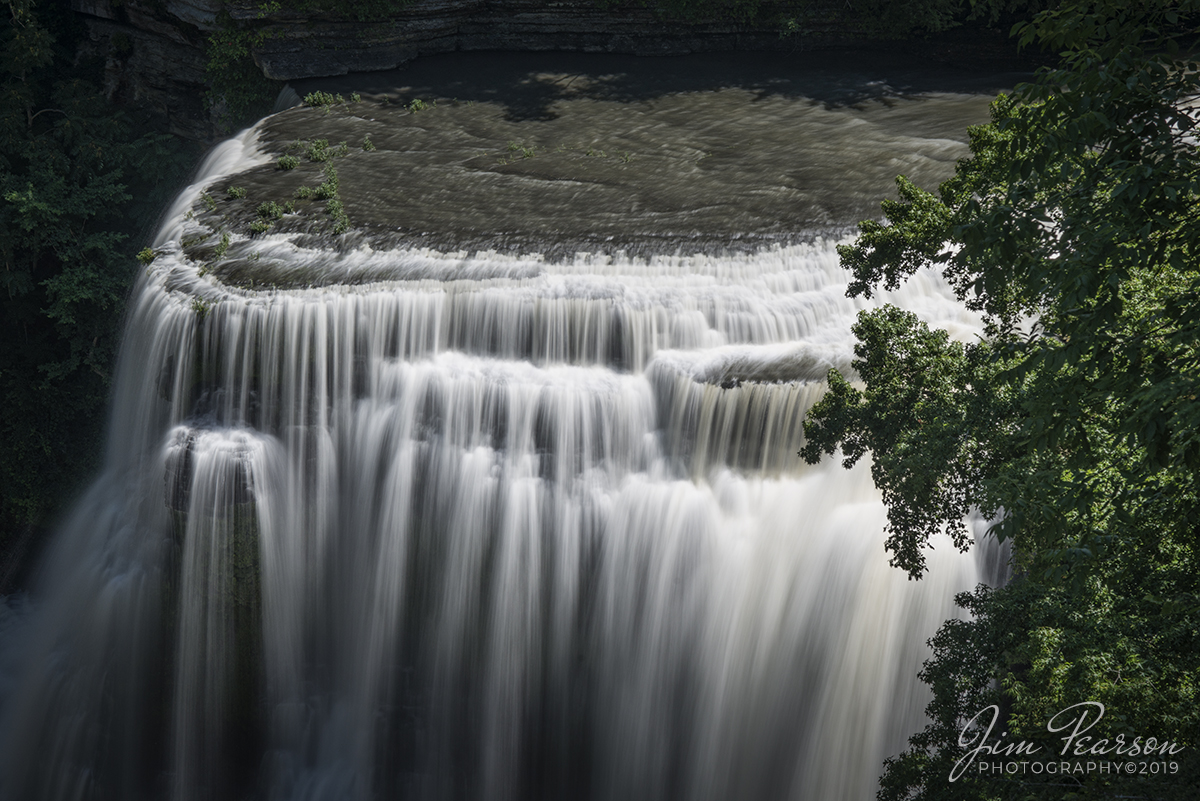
{"x": 505, "y": 530}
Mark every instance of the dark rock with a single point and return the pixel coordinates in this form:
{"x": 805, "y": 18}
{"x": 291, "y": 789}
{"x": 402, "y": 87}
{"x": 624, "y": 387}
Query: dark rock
{"x": 325, "y": 47}
{"x": 151, "y": 62}
{"x": 165, "y": 71}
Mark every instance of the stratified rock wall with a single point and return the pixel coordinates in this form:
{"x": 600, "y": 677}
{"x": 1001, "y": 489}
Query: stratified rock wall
{"x": 155, "y": 51}
{"x": 154, "y": 57}
{"x": 296, "y": 48}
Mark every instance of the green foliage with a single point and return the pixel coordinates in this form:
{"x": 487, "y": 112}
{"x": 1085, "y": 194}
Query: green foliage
{"x": 269, "y": 210}
{"x": 328, "y": 190}
{"x": 235, "y": 192}
{"x": 518, "y": 151}
{"x": 325, "y": 100}
{"x": 319, "y": 150}
{"x": 336, "y": 212}
{"x": 288, "y": 162}
{"x": 322, "y": 100}
{"x": 1075, "y": 423}
{"x": 238, "y": 90}
{"x": 76, "y": 185}
{"x": 329, "y": 187}
{"x": 912, "y": 418}
{"x": 1034, "y": 650}
{"x": 367, "y": 144}
{"x": 145, "y": 256}
{"x": 417, "y": 104}
{"x": 267, "y": 214}
{"x": 222, "y": 246}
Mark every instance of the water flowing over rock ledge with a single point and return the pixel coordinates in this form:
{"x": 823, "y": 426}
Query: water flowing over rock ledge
{"x": 486, "y": 526}
{"x": 560, "y": 154}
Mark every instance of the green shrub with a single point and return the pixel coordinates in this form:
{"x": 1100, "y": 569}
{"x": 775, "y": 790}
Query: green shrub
{"x": 367, "y": 144}
{"x": 239, "y": 92}
{"x": 328, "y": 191}
{"x": 269, "y": 210}
{"x": 322, "y": 100}
{"x": 329, "y": 187}
{"x": 288, "y": 162}
{"x": 318, "y": 150}
{"x": 222, "y": 246}
{"x": 80, "y": 185}
{"x": 235, "y": 192}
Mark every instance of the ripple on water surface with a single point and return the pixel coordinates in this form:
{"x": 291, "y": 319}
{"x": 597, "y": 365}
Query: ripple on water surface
{"x": 563, "y": 153}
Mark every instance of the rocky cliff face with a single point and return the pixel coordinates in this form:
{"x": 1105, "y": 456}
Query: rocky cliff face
{"x": 301, "y": 48}
{"x": 154, "y": 51}
{"x": 153, "y": 58}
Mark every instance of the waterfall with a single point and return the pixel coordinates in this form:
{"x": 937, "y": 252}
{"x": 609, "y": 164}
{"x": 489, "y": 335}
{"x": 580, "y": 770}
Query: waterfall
{"x": 485, "y": 527}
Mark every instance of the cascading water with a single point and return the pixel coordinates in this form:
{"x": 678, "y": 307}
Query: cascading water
{"x": 494, "y": 528}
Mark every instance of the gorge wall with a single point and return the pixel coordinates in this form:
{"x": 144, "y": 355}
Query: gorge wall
{"x": 155, "y": 52}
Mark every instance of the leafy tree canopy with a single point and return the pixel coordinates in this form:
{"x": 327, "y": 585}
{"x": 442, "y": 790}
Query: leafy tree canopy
{"x": 1074, "y": 423}
{"x": 68, "y": 161}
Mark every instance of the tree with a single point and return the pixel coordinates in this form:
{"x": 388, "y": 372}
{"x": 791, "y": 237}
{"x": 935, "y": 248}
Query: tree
{"x": 1074, "y": 423}
{"x": 67, "y": 163}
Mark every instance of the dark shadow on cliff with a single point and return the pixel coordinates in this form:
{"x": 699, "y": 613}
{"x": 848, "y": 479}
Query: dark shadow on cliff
{"x": 529, "y": 84}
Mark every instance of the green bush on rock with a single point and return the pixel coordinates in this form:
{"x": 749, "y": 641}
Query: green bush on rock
{"x": 1075, "y": 422}
{"x": 79, "y": 186}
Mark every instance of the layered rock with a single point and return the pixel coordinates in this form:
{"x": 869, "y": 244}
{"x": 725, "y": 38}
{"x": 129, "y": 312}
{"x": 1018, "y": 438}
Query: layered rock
{"x": 154, "y": 52}
{"x": 304, "y": 47}
{"x": 154, "y": 58}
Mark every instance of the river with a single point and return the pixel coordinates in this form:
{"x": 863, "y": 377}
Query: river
{"x": 495, "y": 497}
